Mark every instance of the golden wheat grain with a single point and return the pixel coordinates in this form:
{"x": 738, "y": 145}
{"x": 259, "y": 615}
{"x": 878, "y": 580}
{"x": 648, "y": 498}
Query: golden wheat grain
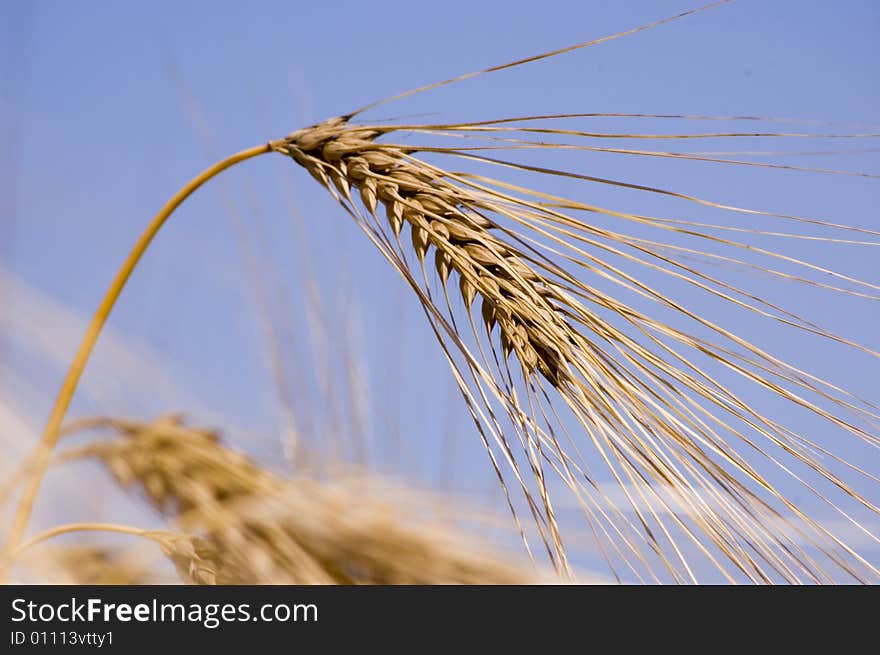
{"x": 637, "y": 401}
{"x": 241, "y": 524}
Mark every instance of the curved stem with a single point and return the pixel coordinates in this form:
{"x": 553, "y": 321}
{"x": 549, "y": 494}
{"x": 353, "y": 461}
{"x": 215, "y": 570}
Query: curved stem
{"x": 40, "y": 456}
{"x": 79, "y": 527}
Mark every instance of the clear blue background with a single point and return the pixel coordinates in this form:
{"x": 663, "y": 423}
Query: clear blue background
{"x": 108, "y": 107}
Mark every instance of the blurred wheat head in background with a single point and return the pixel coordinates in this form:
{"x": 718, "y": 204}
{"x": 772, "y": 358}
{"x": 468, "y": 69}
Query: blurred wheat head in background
{"x": 608, "y": 356}
{"x": 235, "y": 522}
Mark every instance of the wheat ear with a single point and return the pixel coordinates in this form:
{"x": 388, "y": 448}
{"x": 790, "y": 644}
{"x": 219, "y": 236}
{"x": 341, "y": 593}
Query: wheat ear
{"x": 242, "y": 524}
{"x": 660, "y": 419}
{"x": 648, "y": 433}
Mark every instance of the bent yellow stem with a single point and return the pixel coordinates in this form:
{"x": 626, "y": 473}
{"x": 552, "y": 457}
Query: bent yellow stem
{"x": 79, "y": 527}
{"x": 39, "y": 459}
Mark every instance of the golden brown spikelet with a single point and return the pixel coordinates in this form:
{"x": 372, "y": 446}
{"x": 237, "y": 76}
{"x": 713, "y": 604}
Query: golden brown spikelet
{"x": 452, "y": 220}
{"x": 242, "y": 524}
{"x": 664, "y": 426}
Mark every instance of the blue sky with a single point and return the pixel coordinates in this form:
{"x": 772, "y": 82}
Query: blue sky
{"x": 107, "y": 108}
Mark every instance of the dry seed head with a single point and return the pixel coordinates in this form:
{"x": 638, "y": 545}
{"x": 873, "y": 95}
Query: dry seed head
{"x": 446, "y": 217}
{"x": 195, "y": 559}
{"x": 169, "y": 462}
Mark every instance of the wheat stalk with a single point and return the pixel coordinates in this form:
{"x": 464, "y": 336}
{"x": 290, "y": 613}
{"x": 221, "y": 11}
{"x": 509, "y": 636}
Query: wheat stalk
{"x": 90, "y": 564}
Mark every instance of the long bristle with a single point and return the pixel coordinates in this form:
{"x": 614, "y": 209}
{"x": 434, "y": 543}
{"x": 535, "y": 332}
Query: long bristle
{"x": 669, "y": 431}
